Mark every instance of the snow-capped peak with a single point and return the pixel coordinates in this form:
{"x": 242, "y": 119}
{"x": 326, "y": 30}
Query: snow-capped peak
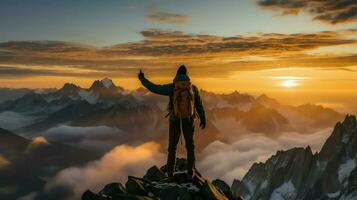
{"x": 107, "y": 82}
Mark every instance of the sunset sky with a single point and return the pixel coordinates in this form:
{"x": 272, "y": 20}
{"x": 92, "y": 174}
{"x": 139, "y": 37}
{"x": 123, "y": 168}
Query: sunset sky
{"x": 297, "y": 51}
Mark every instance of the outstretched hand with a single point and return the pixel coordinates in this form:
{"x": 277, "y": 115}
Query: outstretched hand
{"x": 203, "y": 124}
{"x": 141, "y": 74}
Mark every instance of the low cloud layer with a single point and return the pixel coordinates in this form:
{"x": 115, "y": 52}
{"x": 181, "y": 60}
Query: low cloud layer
{"x": 94, "y": 137}
{"x": 230, "y": 161}
{"x": 114, "y": 166}
{"x": 217, "y": 160}
{"x": 328, "y": 11}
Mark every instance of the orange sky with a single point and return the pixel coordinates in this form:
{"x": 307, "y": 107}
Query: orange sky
{"x": 292, "y": 54}
{"x": 334, "y": 88}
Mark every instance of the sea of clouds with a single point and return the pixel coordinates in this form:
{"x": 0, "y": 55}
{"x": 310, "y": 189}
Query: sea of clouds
{"x": 217, "y": 160}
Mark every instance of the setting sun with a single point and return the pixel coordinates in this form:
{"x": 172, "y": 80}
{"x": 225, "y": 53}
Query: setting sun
{"x": 289, "y": 83}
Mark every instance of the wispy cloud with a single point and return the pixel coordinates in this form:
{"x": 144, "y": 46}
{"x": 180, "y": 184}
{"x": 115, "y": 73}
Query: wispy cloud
{"x": 8, "y": 71}
{"x": 328, "y": 11}
{"x": 163, "y": 50}
{"x": 156, "y": 15}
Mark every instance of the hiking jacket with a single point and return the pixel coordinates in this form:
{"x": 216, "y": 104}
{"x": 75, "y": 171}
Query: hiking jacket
{"x": 168, "y": 90}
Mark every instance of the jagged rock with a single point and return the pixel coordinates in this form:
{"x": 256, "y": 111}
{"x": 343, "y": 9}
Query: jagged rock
{"x": 299, "y": 174}
{"x": 154, "y": 174}
{"x": 89, "y": 195}
{"x": 239, "y": 188}
{"x": 112, "y": 189}
{"x": 155, "y": 185}
{"x": 209, "y": 191}
{"x": 130, "y": 197}
{"x": 224, "y": 188}
{"x": 169, "y": 191}
{"x": 136, "y": 186}
{"x": 352, "y": 185}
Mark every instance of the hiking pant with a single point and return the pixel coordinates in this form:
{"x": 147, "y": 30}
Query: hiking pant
{"x": 174, "y": 137}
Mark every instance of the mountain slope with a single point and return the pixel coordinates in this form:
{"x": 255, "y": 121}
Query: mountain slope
{"x": 31, "y": 161}
{"x": 299, "y": 174}
{"x": 29, "y": 103}
{"x": 65, "y": 115}
{"x": 7, "y": 94}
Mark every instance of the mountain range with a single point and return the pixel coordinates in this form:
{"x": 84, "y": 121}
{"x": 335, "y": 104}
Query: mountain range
{"x": 105, "y": 104}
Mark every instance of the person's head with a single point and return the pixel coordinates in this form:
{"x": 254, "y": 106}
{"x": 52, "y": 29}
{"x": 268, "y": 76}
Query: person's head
{"x": 181, "y": 74}
{"x": 182, "y": 70}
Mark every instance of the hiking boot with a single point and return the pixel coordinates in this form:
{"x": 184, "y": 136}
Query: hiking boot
{"x": 190, "y": 177}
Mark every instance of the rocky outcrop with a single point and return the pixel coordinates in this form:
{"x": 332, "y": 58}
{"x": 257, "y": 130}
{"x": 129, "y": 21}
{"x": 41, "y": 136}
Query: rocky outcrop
{"x": 156, "y": 185}
{"x": 299, "y": 174}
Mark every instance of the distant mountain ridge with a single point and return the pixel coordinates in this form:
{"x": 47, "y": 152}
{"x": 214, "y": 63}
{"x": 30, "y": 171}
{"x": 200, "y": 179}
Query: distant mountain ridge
{"x": 14, "y": 93}
{"x": 298, "y": 173}
{"x": 105, "y": 104}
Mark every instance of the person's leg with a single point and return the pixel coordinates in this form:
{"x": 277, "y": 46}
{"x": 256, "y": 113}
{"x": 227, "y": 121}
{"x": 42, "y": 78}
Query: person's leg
{"x": 174, "y": 136}
{"x": 188, "y": 130}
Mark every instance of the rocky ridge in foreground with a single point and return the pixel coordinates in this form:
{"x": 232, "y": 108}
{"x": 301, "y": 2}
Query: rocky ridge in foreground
{"x": 155, "y": 185}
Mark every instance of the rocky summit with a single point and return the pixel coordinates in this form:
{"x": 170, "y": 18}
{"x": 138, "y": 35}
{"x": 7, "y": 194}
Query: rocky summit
{"x": 156, "y": 185}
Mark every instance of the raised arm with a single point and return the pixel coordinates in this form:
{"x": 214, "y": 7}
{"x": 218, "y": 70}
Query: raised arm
{"x": 199, "y": 108}
{"x": 165, "y": 89}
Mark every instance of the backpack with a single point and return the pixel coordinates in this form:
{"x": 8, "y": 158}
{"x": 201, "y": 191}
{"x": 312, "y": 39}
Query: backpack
{"x": 183, "y": 99}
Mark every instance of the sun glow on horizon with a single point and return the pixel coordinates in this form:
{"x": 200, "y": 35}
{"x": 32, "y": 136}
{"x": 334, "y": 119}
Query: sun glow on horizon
{"x": 289, "y": 83}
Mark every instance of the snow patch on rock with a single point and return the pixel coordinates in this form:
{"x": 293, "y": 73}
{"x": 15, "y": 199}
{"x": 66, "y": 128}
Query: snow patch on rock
{"x": 345, "y": 138}
{"x": 251, "y": 186}
{"x": 88, "y": 96}
{"x": 334, "y": 195}
{"x": 107, "y": 82}
{"x": 283, "y": 192}
{"x": 345, "y": 169}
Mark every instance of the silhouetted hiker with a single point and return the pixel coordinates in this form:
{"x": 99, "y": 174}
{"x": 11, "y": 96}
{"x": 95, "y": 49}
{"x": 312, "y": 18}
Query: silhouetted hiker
{"x": 184, "y": 101}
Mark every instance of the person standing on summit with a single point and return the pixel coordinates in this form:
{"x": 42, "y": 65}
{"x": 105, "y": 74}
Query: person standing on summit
{"x": 184, "y": 103}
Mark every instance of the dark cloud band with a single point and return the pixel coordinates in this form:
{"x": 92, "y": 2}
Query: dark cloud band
{"x": 329, "y": 11}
